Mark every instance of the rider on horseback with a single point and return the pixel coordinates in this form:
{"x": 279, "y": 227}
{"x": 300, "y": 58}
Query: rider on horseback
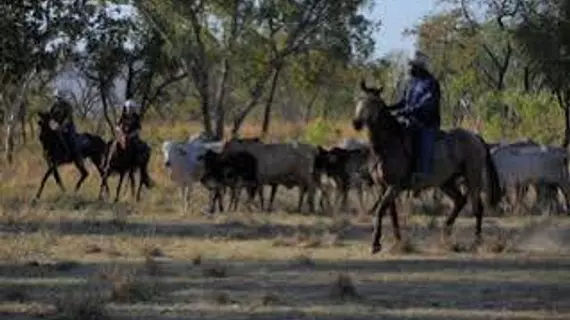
{"x": 128, "y": 129}
{"x": 62, "y": 113}
{"x": 419, "y": 110}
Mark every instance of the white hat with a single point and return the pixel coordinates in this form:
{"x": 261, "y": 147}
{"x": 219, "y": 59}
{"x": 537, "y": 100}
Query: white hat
{"x": 131, "y": 105}
{"x": 420, "y": 59}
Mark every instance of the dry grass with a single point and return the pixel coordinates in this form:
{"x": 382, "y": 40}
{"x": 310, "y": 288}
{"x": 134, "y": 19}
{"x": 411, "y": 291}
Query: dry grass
{"x": 72, "y": 257}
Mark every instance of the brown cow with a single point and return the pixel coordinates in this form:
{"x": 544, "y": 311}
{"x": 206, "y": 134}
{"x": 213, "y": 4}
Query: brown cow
{"x": 288, "y": 164}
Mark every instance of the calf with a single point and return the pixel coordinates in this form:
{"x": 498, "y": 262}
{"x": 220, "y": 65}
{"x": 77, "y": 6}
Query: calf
{"x": 181, "y": 161}
{"x": 348, "y": 168}
{"x": 235, "y": 170}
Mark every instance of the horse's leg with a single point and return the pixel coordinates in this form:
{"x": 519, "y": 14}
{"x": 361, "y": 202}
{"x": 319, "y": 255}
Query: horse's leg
{"x": 395, "y": 222}
{"x": 474, "y": 184}
{"x": 459, "y": 201}
{"x": 43, "y": 182}
{"x": 141, "y": 183}
{"x": 80, "y": 165}
{"x": 119, "y": 184}
{"x": 132, "y": 183}
{"x": 105, "y": 184}
{"x": 477, "y": 203}
{"x": 387, "y": 200}
{"x": 57, "y": 178}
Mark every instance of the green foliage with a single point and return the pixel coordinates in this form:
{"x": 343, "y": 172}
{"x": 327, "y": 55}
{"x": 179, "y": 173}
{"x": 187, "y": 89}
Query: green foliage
{"x": 318, "y": 132}
{"x": 540, "y": 116}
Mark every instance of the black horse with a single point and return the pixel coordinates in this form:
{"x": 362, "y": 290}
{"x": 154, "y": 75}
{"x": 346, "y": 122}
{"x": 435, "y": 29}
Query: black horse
{"x": 56, "y": 153}
{"x": 127, "y": 160}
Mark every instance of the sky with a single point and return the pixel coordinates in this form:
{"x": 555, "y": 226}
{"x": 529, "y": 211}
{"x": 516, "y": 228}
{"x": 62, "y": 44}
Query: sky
{"x": 396, "y": 16}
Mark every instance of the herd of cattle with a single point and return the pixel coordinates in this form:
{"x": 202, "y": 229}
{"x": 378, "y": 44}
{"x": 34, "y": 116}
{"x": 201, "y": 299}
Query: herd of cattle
{"x": 250, "y": 164}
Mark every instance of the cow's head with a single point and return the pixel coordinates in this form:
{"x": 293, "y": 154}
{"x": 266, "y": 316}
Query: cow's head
{"x": 170, "y": 149}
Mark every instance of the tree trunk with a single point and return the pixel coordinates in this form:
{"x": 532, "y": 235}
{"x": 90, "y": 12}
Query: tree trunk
{"x": 566, "y": 143}
{"x": 220, "y": 100}
{"x": 205, "y": 106}
{"x": 269, "y": 103}
{"x": 309, "y": 108}
{"x": 563, "y": 101}
{"x": 106, "y": 109}
{"x": 9, "y": 140}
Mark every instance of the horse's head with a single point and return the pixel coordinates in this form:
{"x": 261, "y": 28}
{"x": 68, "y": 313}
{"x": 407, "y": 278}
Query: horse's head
{"x": 43, "y": 119}
{"x": 370, "y": 107}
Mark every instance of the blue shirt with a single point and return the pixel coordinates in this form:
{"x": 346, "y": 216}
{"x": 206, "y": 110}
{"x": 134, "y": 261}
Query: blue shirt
{"x": 421, "y": 101}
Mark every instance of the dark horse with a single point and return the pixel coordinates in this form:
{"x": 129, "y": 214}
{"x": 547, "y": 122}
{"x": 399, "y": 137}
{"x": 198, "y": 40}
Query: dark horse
{"x": 56, "y": 154}
{"x": 458, "y": 153}
{"x": 127, "y": 160}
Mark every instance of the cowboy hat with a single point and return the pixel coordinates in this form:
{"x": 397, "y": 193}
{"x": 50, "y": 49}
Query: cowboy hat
{"x": 420, "y": 59}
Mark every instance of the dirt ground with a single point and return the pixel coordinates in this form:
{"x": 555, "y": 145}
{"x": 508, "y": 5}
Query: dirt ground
{"x": 69, "y": 257}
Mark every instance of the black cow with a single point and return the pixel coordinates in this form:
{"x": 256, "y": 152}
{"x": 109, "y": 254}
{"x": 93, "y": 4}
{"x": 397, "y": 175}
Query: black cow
{"x": 347, "y": 168}
{"x": 229, "y": 169}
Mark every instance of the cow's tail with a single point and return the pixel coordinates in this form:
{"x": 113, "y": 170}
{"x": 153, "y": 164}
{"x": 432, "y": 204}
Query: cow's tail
{"x": 492, "y": 176}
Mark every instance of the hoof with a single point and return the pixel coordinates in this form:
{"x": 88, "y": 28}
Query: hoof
{"x": 376, "y": 248}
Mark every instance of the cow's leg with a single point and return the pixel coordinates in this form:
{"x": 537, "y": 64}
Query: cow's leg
{"x": 235, "y": 195}
{"x": 311, "y": 197}
{"x": 184, "y": 191}
{"x": 344, "y": 188}
{"x": 261, "y": 196}
{"x": 565, "y": 188}
{"x": 213, "y": 195}
{"x": 251, "y": 190}
{"x": 302, "y": 192}
{"x": 221, "y": 191}
{"x": 272, "y": 197}
{"x": 360, "y": 195}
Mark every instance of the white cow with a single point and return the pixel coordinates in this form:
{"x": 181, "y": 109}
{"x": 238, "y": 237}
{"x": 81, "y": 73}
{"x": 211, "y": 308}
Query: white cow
{"x": 352, "y": 144}
{"x": 524, "y": 164}
{"x": 181, "y": 160}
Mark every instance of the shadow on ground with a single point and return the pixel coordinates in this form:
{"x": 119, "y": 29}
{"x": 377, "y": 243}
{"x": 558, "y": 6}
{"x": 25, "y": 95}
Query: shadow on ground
{"x": 467, "y": 288}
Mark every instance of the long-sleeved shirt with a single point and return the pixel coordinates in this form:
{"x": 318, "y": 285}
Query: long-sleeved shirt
{"x": 421, "y": 101}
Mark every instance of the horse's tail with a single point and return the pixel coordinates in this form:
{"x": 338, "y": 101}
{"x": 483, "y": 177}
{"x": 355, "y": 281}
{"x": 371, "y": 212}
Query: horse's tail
{"x": 492, "y": 175}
